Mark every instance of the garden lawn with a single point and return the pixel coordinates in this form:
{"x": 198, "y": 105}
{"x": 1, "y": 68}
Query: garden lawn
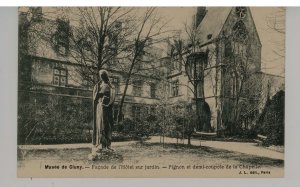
{"x": 144, "y": 153}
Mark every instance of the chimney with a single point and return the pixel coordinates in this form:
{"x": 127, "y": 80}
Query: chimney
{"x": 201, "y": 11}
{"x": 37, "y": 13}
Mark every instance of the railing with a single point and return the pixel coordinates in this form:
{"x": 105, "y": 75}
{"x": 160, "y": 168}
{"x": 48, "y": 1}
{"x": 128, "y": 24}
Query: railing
{"x": 260, "y": 139}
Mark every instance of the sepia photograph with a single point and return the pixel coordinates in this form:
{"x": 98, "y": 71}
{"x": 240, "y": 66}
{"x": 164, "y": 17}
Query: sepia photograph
{"x": 139, "y": 92}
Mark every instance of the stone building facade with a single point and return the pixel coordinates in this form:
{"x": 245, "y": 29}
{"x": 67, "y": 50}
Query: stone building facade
{"x": 48, "y": 76}
{"x": 229, "y": 37}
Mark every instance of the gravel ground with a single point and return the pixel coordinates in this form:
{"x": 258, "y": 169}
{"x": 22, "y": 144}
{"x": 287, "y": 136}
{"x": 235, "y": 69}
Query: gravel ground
{"x": 152, "y": 151}
{"x": 242, "y": 147}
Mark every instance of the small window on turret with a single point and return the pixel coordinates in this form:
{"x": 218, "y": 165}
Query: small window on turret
{"x": 241, "y": 12}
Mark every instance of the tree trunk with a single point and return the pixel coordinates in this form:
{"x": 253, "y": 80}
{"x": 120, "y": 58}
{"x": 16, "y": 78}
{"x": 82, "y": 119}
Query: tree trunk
{"x": 189, "y": 139}
{"x": 163, "y": 140}
{"x": 125, "y": 90}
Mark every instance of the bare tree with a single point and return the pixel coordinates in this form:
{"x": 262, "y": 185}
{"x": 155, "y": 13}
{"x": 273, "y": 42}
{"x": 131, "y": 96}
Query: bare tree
{"x": 91, "y": 37}
{"x": 186, "y": 119}
{"x": 149, "y": 30}
{"x": 94, "y": 38}
{"x": 180, "y": 50}
{"x": 276, "y": 23}
{"x": 106, "y": 36}
{"x": 164, "y": 112}
{"x": 241, "y": 85}
{"x": 99, "y": 36}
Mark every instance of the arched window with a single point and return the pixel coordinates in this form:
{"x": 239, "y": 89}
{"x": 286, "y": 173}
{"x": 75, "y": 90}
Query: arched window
{"x": 240, "y": 37}
{"x": 240, "y": 32}
{"x": 228, "y": 49}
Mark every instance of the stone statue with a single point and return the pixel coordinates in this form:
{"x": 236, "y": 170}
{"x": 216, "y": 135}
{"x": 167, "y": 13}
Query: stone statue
{"x": 103, "y": 99}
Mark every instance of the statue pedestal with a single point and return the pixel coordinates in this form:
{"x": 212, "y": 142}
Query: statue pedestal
{"x": 105, "y": 155}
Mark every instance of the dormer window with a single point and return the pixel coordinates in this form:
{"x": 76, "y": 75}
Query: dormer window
{"x": 61, "y": 39}
{"x": 241, "y": 12}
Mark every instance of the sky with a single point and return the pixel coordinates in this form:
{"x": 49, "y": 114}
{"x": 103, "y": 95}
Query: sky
{"x": 270, "y": 40}
{"x": 271, "y": 63}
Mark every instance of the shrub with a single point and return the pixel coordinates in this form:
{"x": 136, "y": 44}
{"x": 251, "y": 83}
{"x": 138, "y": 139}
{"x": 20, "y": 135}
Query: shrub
{"x": 54, "y": 119}
{"x": 271, "y": 121}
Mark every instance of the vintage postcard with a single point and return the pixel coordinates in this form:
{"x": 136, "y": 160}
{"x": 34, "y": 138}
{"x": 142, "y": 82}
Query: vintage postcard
{"x": 151, "y": 92}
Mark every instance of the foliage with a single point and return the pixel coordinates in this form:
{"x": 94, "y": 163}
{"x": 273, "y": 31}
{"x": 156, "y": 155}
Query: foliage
{"x": 240, "y": 86}
{"x": 54, "y": 119}
{"x": 99, "y": 37}
{"x": 271, "y": 121}
{"x": 139, "y": 128}
{"x": 276, "y": 24}
{"x": 148, "y": 30}
{"x": 95, "y": 38}
{"x": 174, "y": 119}
{"x": 165, "y": 118}
{"x": 186, "y": 120}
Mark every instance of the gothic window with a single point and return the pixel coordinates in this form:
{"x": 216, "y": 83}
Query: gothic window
{"x": 241, "y": 12}
{"x": 175, "y": 89}
{"x": 60, "y": 77}
{"x": 240, "y": 32}
{"x": 233, "y": 86}
{"x": 240, "y": 38}
{"x": 228, "y": 49}
{"x": 230, "y": 88}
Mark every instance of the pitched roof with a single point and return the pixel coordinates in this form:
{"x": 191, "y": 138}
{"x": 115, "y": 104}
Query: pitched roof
{"x": 212, "y": 23}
